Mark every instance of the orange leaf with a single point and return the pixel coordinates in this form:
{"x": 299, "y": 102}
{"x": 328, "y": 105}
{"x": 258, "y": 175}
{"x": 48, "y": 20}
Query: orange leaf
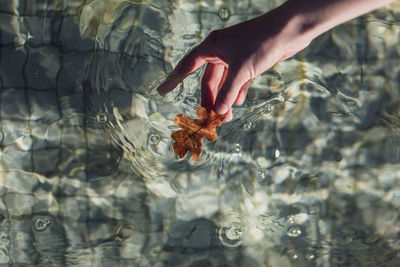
{"x": 190, "y": 138}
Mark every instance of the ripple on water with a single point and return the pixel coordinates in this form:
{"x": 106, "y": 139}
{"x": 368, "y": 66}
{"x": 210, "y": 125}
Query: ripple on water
{"x": 230, "y": 230}
{"x": 101, "y": 117}
{"x": 124, "y": 230}
{"x": 154, "y": 139}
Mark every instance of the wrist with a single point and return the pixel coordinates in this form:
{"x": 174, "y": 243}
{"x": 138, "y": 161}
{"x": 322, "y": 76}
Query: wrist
{"x": 296, "y": 30}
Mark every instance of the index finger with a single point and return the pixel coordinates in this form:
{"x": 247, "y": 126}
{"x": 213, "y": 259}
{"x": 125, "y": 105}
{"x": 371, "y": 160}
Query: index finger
{"x": 191, "y": 62}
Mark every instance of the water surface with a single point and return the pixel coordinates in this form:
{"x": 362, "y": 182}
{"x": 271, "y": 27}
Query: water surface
{"x": 306, "y": 174}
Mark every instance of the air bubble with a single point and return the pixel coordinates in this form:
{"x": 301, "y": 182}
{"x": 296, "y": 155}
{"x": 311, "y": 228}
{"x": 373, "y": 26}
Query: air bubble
{"x": 154, "y": 139}
{"x": 101, "y": 117}
{"x": 247, "y": 126}
{"x": 348, "y": 239}
{"x": 294, "y": 231}
{"x": 230, "y": 231}
{"x": 41, "y": 223}
{"x": 224, "y": 13}
{"x": 314, "y": 209}
{"x": 261, "y": 175}
{"x": 277, "y": 153}
{"x": 237, "y": 148}
{"x": 310, "y": 256}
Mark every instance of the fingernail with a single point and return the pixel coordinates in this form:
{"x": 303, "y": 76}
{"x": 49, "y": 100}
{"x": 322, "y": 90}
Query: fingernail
{"x": 221, "y": 108}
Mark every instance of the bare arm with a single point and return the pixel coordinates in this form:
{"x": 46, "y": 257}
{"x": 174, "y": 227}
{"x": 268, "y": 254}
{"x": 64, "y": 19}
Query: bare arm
{"x": 319, "y": 16}
{"x": 237, "y": 54}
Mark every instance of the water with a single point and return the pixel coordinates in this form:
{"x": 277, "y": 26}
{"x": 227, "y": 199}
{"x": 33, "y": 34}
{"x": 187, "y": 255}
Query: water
{"x": 306, "y": 173}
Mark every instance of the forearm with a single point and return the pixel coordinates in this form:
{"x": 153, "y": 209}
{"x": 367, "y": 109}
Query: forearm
{"x": 314, "y": 17}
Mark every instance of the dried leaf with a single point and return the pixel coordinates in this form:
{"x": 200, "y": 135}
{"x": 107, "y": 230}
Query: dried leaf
{"x": 190, "y": 138}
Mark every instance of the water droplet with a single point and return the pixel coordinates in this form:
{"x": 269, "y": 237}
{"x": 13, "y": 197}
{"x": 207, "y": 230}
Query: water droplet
{"x": 154, "y": 139}
{"x": 41, "y": 223}
{"x": 233, "y": 232}
{"x": 171, "y": 150}
{"x": 338, "y": 156}
{"x": 7, "y": 224}
{"x": 230, "y": 235}
{"x": 230, "y": 231}
{"x": 314, "y": 209}
{"x": 351, "y": 103}
{"x": 268, "y": 108}
{"x": 281, "y": 98}
{"x": 342, "y": 114}
{"x": 237, "y": 148}
{"x": 124, "y": 230}
{"x": 261, "y": 175}
{"x": 224, "y": 13}
{"x": 294, "y": 231}
{"x": 277, "y": 153}
{"x": 247, "y": 126}
{"x": 290, "y": 218}
{"x": 310, "y": 256}
{"x": 348, "y": 239}
{"x": 101, "y": 117}
{"x": 295, "y": 256}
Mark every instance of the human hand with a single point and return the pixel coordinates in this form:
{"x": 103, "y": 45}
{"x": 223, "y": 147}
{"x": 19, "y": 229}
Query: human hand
{"x": 234, "y": 56}
{"x": 237, "y": 54}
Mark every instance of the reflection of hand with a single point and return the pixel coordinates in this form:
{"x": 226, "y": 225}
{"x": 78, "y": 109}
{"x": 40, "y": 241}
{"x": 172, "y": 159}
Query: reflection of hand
{"x": 237, "y": 54}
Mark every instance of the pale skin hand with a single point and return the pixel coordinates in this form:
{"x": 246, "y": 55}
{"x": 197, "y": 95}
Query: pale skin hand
{"x": 235, "y": 55}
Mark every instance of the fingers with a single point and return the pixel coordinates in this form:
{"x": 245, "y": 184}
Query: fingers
{"x": 223, "y": 78}
{"x": 210, "y": 83}
{"x": 228, "y": 116}
{"x": 229, "y": 92}
{"x": 243, "y": 93}
{"x": 191, "y": 62}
